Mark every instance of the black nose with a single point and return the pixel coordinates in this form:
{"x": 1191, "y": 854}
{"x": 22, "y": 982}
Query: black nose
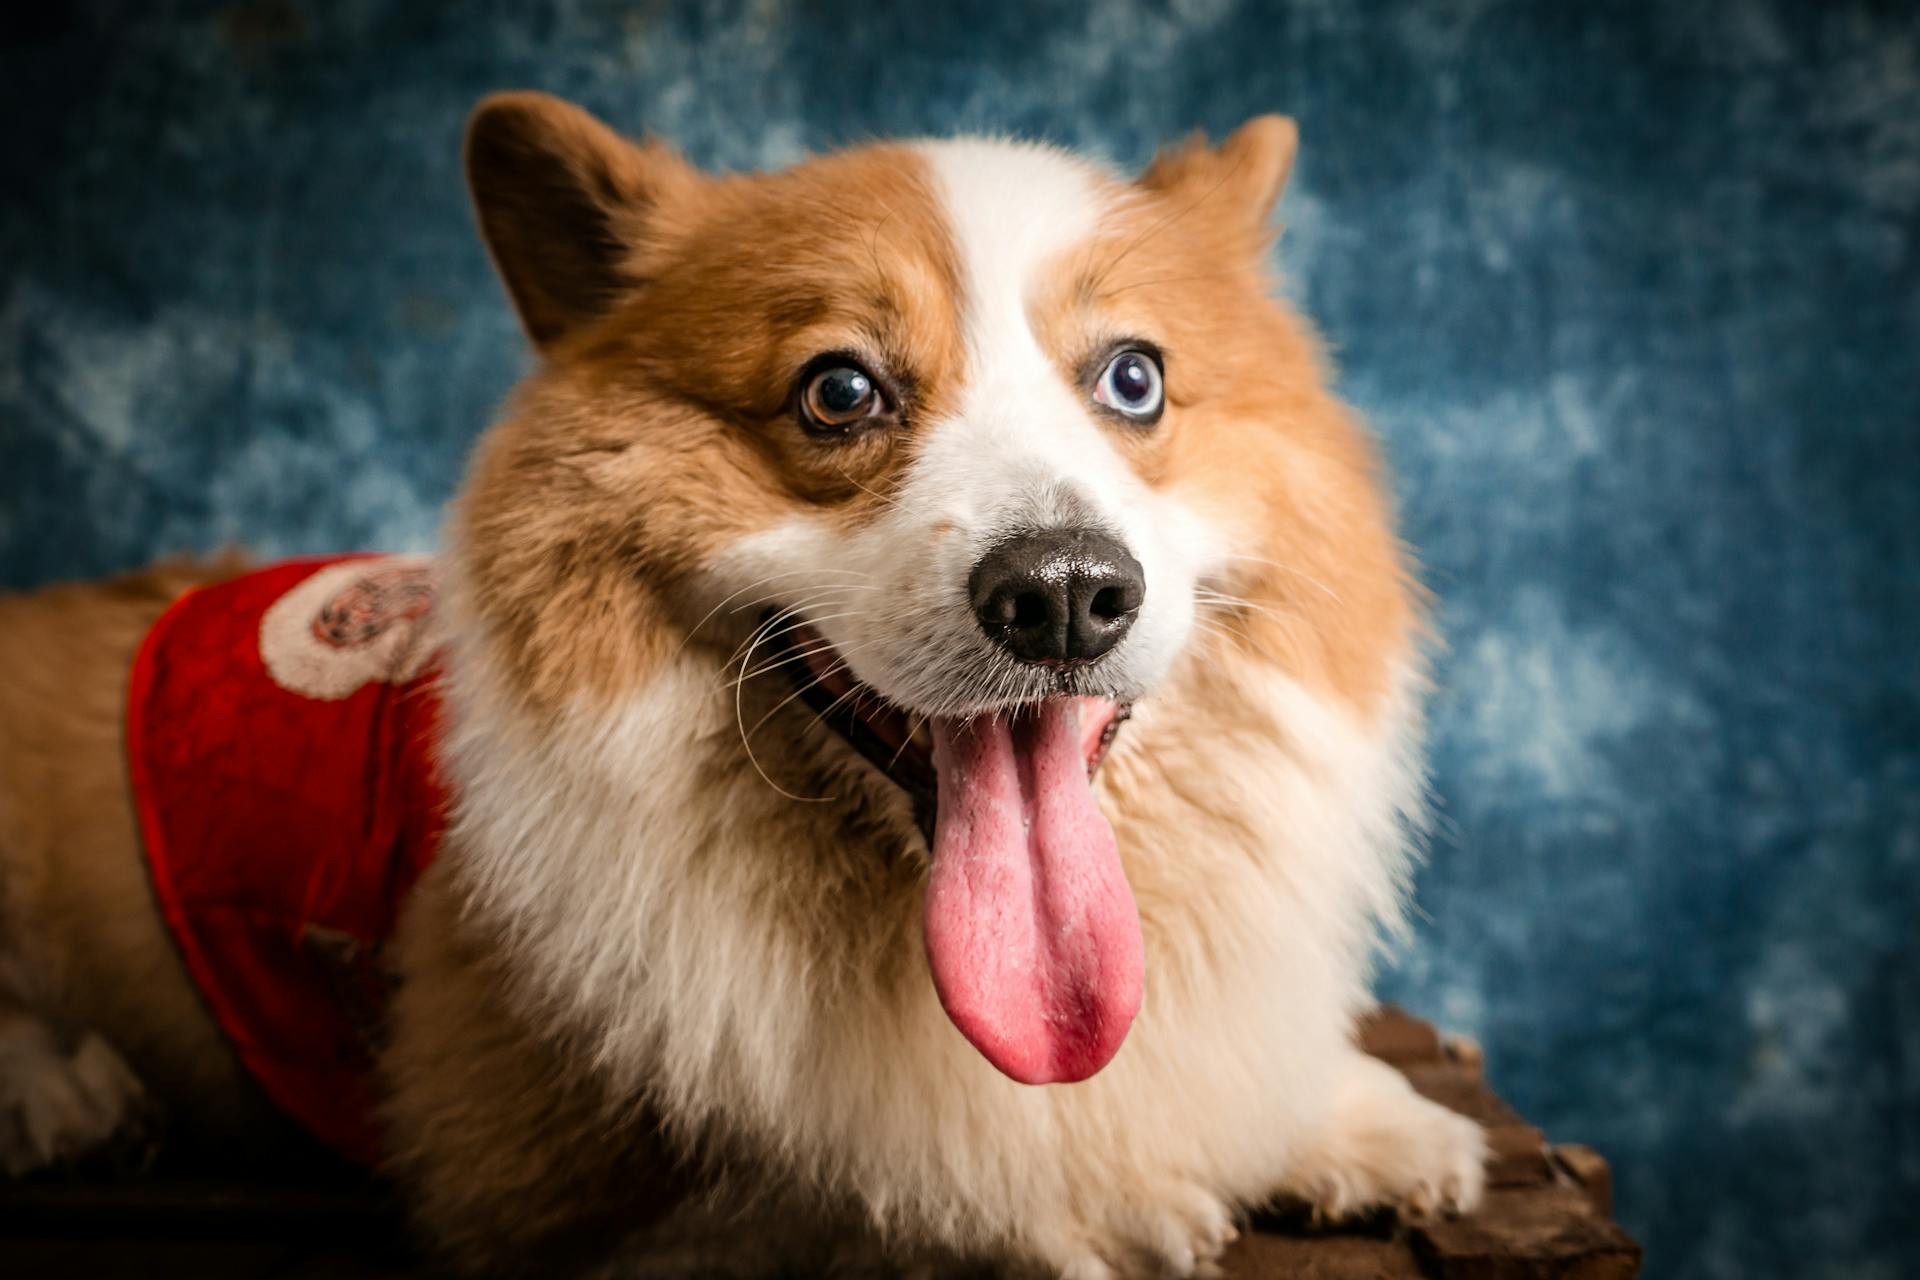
{"x": 1057, "y": 596}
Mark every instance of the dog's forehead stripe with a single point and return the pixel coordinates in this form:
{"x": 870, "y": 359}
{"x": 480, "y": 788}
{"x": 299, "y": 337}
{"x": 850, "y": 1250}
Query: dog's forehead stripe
{"x": 1019, "y": 446}
{"x": 1012, "y": 209}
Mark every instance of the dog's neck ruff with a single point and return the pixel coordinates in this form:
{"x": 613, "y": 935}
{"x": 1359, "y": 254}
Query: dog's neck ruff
{"x": 280, "y": 734}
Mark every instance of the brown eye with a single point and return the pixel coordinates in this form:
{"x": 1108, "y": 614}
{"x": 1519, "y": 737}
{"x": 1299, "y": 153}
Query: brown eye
{"x": 837, "y": 396}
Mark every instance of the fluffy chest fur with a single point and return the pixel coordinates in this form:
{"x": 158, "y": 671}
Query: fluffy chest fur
{"x": 754, "y": 966}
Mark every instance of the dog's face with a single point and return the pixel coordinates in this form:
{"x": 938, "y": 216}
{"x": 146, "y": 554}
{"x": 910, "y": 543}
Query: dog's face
{"x": 977, "y": 440}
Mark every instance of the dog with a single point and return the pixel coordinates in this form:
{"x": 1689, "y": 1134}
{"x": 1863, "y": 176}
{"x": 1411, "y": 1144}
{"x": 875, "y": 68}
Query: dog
{"x": 920, "y": 715}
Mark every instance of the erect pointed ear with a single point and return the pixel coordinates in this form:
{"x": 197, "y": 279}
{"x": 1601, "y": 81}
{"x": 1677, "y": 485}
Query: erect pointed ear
{"x": 564, "y": 204}
{"x": 1243, "y": 176}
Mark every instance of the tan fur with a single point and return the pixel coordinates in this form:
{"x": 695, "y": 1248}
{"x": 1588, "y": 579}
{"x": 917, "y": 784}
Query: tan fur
{"x": 664, "y": 992}
{"x": 80, "y": 941}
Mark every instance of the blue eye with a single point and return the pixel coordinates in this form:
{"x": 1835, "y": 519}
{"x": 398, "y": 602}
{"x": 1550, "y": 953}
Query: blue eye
{"x": 1132, "y": 384}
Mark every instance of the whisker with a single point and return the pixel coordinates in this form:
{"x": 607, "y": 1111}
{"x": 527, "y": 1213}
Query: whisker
{"x": 792, "y": 614}
{"x": 823, "y": 646}
{"x": 887, "y": 499}
{"x": 1305, "y": 577}
{"x": 819, "y": 717}
{"x": 752, "y": 586}
{"x": 740, "y": 722}
{"x": 798, "y": 690}
{"x": 913, "y": 727}
{"x": 1235, "y": 604}
{"x": 795, "y": 620}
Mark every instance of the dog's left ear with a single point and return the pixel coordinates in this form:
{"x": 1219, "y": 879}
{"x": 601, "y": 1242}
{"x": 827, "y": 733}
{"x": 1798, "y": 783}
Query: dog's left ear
{"x": 1240, "y": 179}
{"x": 568, "y": 207}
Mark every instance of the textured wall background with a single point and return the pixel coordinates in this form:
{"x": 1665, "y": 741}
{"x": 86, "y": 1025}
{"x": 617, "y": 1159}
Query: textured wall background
{"x": 1631, "y": 292}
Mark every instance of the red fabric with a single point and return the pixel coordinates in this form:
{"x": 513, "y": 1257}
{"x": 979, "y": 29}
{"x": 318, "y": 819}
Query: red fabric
{"x": 284, "y": 829}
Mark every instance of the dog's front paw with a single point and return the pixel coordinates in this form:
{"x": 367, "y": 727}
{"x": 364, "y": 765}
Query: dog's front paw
{"x": 1386, "y": 1146}
{"x": 1175, "y": 1230}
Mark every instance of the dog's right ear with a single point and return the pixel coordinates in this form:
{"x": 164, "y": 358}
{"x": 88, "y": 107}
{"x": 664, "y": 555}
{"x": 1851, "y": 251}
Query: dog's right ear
{"x": 1237, "y": 182}
{"x": 566, "y": 206}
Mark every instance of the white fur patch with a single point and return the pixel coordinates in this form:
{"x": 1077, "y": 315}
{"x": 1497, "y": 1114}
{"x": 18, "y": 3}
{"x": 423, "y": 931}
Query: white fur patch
{"x": 351, "y": 624}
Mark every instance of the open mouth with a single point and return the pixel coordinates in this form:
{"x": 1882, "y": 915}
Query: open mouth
{"x": 1031, "y": 930}
{"x": 897, "y": 742}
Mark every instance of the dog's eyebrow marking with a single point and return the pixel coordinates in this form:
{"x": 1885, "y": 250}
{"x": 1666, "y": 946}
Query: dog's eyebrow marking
{"x": 608, "y": 450}
{"x": 797, "y": 310}
{"x": 1020, "y": 429}
{"x": 1012, "y": 208}
{"x": 1152, "y": 281}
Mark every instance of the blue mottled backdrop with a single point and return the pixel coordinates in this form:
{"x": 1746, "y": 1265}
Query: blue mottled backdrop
{"x": 1632, "y": 293}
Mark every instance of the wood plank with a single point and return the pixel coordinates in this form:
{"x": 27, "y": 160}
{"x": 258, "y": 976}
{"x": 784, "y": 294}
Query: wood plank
{"x": 1547, "y": 1215}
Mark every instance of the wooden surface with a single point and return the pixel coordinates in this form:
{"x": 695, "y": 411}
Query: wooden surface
{"x": 1547, "y": 1214}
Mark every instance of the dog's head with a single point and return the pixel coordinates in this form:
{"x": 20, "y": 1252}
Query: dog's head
{"x": 976, "y": 440}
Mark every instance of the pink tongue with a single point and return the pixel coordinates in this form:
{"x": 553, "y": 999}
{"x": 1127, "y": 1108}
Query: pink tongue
{"x": 1031, "y": 929}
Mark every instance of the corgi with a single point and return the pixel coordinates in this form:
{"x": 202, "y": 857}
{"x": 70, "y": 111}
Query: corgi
{"x": 911, "y": 750}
